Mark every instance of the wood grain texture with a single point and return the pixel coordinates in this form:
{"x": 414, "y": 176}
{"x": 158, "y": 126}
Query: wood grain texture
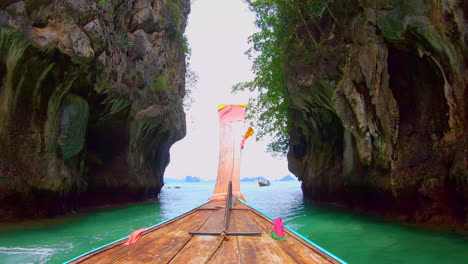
{"x": 172, "y": 243}
{"x": 298, "y": 248}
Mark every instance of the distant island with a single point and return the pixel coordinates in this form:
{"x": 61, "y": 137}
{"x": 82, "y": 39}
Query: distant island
{"x": 187, "y": 179}
{"x": 288, "y": 178}
{"x": 253, "y": 179}
{"x": 192, "y": 179}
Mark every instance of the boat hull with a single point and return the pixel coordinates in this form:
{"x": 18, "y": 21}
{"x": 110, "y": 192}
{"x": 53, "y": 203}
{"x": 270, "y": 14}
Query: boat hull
{"x": 171, "y": 241}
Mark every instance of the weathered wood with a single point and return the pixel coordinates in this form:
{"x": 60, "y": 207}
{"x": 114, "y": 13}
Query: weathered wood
{"x": 156, "y": 238}
{"x": 243, "y": 222}
{"x": 229, "y": 250}
{"x": 227, "y": 253}
{"x": 261, "y": 249}
{"x": 296, "y": 250}
{"x": 214, "y": 223}
{"x": 167, "y": 244}
{"x": 200, "y": 247}
{"x": 172, "y": 243}
{"x": 296, "y": 247}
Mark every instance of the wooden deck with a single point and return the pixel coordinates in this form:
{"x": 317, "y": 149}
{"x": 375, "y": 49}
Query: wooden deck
{"x": 171, "y": 241}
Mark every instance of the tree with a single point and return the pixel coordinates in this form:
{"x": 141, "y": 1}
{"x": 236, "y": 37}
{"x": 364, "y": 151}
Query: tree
{"x": 280, "y": 23}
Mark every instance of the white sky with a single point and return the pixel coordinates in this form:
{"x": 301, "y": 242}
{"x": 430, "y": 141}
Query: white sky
{"x": 217, "y": 32}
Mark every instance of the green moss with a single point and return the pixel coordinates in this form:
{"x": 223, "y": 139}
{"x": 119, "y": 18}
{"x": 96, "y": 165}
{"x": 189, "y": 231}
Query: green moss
{"x": 176, "y": 13}
{"x": 399, "y": 14}
{"x": 321, "y": 94}
{"x": 148, "y": 135}
{"x": 52, "y": 124}
{"x": 103, "y": 3}
{"x": 72, "y": 125}
{"x": 392, "y": 25}
{"x": 163, "y": 82}
{"x": 122, "y": 41}
{"x": 12, "y": 49}
{"x": 34, "y": 4}
{"x": 114, "y": 107}
{"x": 186, "y": 46}
{"x": 14, "y": 46}
{"x": 37, "y": 95}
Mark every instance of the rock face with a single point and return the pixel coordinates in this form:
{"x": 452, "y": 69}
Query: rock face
{"x": 378, "y": 108}
{"x": 90, "y": 101}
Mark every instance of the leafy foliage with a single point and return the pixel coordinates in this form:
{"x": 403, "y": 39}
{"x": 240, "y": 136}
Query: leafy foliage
{"x": 191, "y": 77}
{"x": 176, "y": 13}
{"x": 12, "y": 49}
{"x": 269, "y": 110}
{"x": 103, "y": 2}
{"x": 162, "y": 82}
{"x": 114, "y": 107}
{"x": 122, "y": 41}
{"x": 280, "y": 22}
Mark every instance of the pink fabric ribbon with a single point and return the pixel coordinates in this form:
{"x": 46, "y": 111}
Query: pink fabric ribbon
{"x": 135, "y": 236}
{"x": 279, "y": 227}
{"x": 242, "y": 143}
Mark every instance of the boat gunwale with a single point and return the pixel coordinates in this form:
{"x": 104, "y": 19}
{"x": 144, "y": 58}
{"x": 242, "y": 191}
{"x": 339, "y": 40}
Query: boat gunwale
{"x": 113, "y": 244}
{"x": 318, "y": 249}
{"x": 298, "y": 237}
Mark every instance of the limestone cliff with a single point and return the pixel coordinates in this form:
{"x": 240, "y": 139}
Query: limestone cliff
{"x": 90, "y": 101}
{"x": 378, "y": 107}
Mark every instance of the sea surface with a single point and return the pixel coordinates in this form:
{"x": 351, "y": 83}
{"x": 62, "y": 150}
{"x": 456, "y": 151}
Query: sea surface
{"x": 353, "y": 238}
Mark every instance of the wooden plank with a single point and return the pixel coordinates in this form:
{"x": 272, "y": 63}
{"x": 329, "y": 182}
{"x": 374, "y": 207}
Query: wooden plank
{"x": 295, "y": 247}
{"x": 200, "y": 247}
{"x": 298, "y": 239}
{"x": 168, "y": 244}
{"x": 116, "y": 246}
{"x": 261, "y": 250}
{"x": 161, "y": 242}
{"x": 197, "y": 250}
{"x": 215, "y": 223}
{"x": 258, "y": 249}
{"x": 229, "y": 253}
{"x": 243, "y": 222}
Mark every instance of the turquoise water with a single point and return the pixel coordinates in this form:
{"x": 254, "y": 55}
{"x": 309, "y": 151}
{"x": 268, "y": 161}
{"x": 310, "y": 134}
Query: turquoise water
{"x": 353, "y": 238}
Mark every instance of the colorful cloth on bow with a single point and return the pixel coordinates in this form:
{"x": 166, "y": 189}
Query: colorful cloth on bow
{"x": 232, "y": 113}
{"x": 278, "y": 231}
{"x": 135, "y": 236}
{"x": 247, "y": 134}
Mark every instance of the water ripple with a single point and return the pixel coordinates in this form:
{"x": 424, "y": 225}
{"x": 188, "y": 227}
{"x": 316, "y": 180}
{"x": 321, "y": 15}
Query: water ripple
{"x": 28, "y": 255}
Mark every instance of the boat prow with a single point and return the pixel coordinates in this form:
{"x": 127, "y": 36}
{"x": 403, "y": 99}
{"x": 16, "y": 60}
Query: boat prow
{"x": 196, "y": 237}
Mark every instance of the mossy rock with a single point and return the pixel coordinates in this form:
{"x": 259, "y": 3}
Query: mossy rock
{"x": 399, "y": 14}
{"x": 72, "y": 126}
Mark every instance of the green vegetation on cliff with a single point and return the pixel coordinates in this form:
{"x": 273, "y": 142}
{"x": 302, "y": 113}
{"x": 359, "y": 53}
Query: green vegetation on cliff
{"x": 280, "y": 22}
